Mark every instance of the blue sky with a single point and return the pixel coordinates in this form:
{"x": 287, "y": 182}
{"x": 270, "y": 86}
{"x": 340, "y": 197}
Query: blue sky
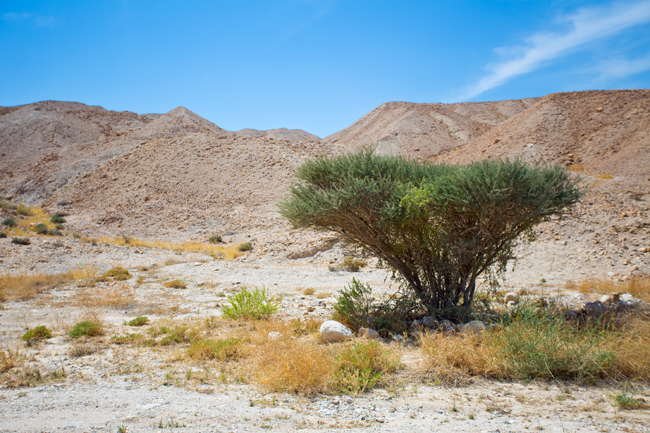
{"x": 317, "y": 65}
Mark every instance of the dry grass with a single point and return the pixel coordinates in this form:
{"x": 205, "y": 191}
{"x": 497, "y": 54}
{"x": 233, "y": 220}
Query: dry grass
{"x": 117, "y": 296}
{"x": 227, "y": 252}
{"x": 11, "y": 357}
{"x": 22, "y": 287}
{"x": 175, "y": 284}
{"x": 639, "y": 287}
{"x": 542, "y": 347}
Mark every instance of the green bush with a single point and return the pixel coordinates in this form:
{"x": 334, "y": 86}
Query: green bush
{"x": 438, "y": 226}
{"x": 139, "y": 321}
{"x": 215, "y": 239}
{"x": 118, "y": 274}
{"x": 250, "y": 304}
{"x": 41, "y": 229}
{"x": 247, "y": 246}
{"x": 89, "y": 328}
{"x": 9, "y": 222}
{"x": 57, "y": 220}
{"x": 38, "y": 333}
{"x": 363, "y": 366}
{"x": 59, "y": 227}
{"x": 21, "y": 241}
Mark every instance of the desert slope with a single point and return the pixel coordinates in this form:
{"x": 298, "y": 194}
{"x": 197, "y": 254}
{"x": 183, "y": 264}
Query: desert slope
{"x": 424, "y": 130}
{"x": 281, "y": 134}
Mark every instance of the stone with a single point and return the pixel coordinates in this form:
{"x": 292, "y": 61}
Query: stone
{"x": 416, "y": 324}
{"x": 594, "y": 309}
{"x": 446, "y": 325}
{"x": 606, "y": 299}
{"x": 628, "y": 297}
{"x": 511, "y": 297}
{"x": 512, "y": 304}
{"x": 369, "y": 333}
{"x": 332, "y": 331}
{"x": 429, "y": 322}
{"x": 273, "y": 336}
{"x": 475, "y": 327}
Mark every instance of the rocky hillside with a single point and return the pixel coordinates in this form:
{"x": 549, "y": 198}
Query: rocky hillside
{"x": 281, "y": 134}
{"x": 424, "y": 130}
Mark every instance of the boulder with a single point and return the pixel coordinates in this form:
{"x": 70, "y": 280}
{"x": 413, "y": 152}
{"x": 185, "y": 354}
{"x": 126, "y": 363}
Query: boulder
{"x": 429, "y": 322}
{"x": 369, "y": 333}
{"x": 446, "y": 325}
{"x": 511, "y": 297}
{"x": 627, "y": 297}
{"x": 332, "y": 331}
{"x": 594, "y": 309}
{"x": 606, "y": 299}
{"x": 475, "y": 327}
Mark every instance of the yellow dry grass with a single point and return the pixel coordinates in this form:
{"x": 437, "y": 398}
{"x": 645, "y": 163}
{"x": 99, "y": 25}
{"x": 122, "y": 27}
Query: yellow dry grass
{"x": 117, "y": 296}
{"x": 21, "y": 287}
{"x": 639, "y": 287}
{"x": 23, "y": 225}
{"x": 10, "y": 357}
{"x": 227, "y": 252}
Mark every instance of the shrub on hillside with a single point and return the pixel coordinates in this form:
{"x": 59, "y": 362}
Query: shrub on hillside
{"x": 41, "y": 229}
{"x": 38, "y": 333}
{"x": 9, "y": 222}
{"x": 118, "y": 274}
{"x": 88, "y": 328}
{"x": 246, "y": 246}
{"x": 21, "y": 241}
{"x": 250, "y": 304}
{"x": 57, "y": 220}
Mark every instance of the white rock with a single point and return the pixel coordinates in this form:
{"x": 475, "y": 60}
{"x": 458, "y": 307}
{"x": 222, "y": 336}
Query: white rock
{"x": 512, "y": 304}
{"x": 368, "y": 333}
{"x": 475, "y": 326}
{"x": 333, "y": 331}
{"x": 274, "y": 335}
{"x": 511, "y": 297}
{"x": 628, "y": 297}
{"x": 606, "y": 299}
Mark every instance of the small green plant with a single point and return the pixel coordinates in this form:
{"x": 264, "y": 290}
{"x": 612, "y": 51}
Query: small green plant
{"x": 76, "y": 235}
{"x": 126, "y": 339}
{"x": 24, "y": 210}
{"x": 57, "y": 220}
{"x": 363, "y": 366}
{"x": 55, "y": 232}
{"x": 543, "y": 280}
{"x": 202, "y": 349}
{"x": 626, "y": 401}
{"x": 250, "y": 304}
{"x": 41, "y": 229}
{"x": 118, "y": 274}
{"x": 9, "y": 222}
{"x": 175, "y": 284}
{"x": 349, "y": 264}
{"x": 21, "y": 241}
{"x": 215, "y": 239}
{"x": 121, "y": 429}
{"x": 139, "y": 321}
{"x": 246, "y": 246}
{"x": 59, "y": 227}
{"x": 87, "y": 327}
{"x": 38, "y": 333}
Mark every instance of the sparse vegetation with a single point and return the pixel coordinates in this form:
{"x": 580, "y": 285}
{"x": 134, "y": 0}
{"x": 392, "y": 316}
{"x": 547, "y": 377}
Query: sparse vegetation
{"x": 10, "y": 357}
{"x": 58, "y": 220}
{"x": 81, "y": 350}
{"x": 21, "y": 241}
{"x": 41, "y": 229}
{"x": 204, "y": 349}
{"x": 116, "y": 296}
{"x": 24, "y": 286}
{"x": 118, "y": 274}
{"x": 215, "y": 239}
{"x": 350, "y": 264}
{"x": 250, "y": 304}
{"x": 246, "y": 246}
{"x": 139, "y": 321}
{"x": 24, "y": 210}
{"x": 37, "y": 333}
{"x": 626, "y": 401}
{"x": 639, "y": 287}
{"x": 227, "y": 252}
{"x": 9, "y": 222}
{"x": 363, "y": 366}
{"x": 175, "y": 284}
{"x": 86, "y": 328}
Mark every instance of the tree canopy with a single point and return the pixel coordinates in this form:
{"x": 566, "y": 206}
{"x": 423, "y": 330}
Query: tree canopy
{"x": 438, "y": 226}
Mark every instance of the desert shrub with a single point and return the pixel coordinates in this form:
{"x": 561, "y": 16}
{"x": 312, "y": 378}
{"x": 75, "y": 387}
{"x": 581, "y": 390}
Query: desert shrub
{"x": 626, "y": 401}
{"x": 57, "y": 220}
{"x": 59, "y": 227}
{"x": 176, "y": 335}
{"x": 438, "y": 226}
{"x": 215, "y": 239}
{"x": 10, "y": 357}
{"x": 55, "y": 232}
{"x": 203, "y": 349}
{"x": 24, "y": 210}
{"x": 118, "y": 274}
{"x": 363, "y": 366}
{"x": 127, "y": 339}
{"x": 88, "y": 328}
{"x": 24, "y": 286}
{"x": 638, "y": 287}
{"x": 9, "y": 222}
{"x": 350, "y": 264}
{"x": 309, "y": 291}
{"x": 37, "y": 333}
{"x": 21, "y": 241}
{"x": 41, "y": 229}
{"x": 6, "y": 205}
{"x": 81, "y": 350}
{"x": 356, "y": 306}
{"x": 60, "y": 214}
{"x": 246, "y": 246}
{"x": 139, "y": 321}
{"x": 76, "y": 235}
{"x": 3, "y": 235}
{"x": 175, "y": 284}
{"x": 250, "y": 304}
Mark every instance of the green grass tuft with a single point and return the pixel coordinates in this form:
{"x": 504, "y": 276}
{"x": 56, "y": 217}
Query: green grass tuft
{"x": 250, "y": 304}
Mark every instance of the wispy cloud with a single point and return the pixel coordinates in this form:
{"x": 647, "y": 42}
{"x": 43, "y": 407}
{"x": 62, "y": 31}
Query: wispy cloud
{"x": 27, "y": 18}
{"x": 585, "y": 25}
{"x": 621, "y": 67}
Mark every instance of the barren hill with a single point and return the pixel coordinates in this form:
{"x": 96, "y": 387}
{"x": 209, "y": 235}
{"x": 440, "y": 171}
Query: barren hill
{"x": 281, "y": 134}
{"x": 424, "y": 130}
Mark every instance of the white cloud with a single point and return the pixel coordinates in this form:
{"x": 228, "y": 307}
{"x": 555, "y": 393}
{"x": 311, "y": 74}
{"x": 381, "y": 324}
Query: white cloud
{"x": 586, "y": 25}
{"x": 24, "y": 17}
{"x": 621, "y": 68}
